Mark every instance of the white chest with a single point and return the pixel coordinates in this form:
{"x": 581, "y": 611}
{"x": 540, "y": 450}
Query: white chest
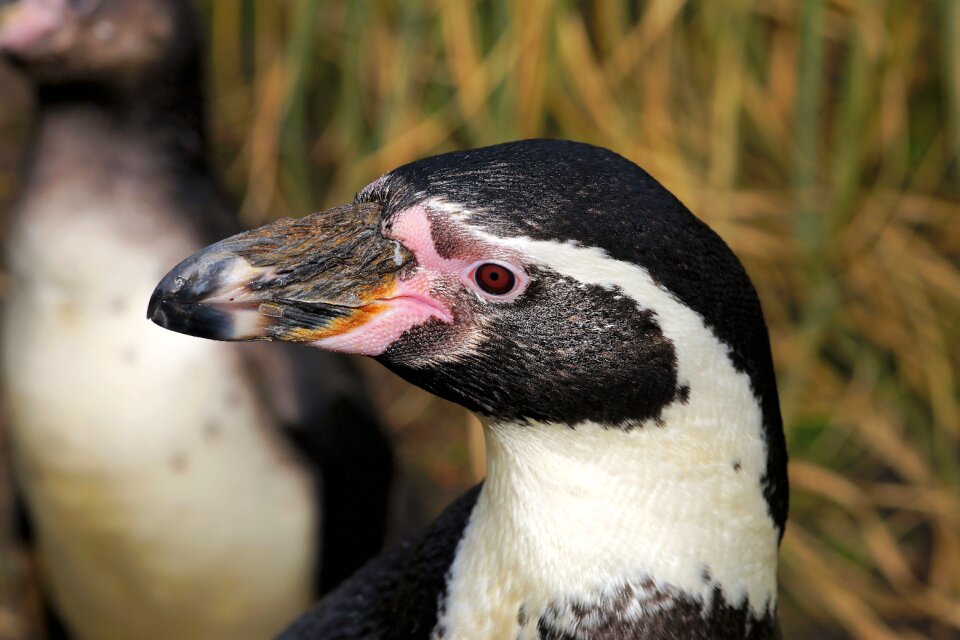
{"x": 165, "y": 505}
{"x": 567, "y": 517}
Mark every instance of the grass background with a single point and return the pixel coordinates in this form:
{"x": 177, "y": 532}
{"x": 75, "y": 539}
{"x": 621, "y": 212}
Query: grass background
{"x": 820, "y": 138}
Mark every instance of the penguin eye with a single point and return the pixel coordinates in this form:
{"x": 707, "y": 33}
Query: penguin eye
{"x": 494, "y": 278}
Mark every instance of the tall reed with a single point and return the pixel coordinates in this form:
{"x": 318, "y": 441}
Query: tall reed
{"x": 820, "y": 138}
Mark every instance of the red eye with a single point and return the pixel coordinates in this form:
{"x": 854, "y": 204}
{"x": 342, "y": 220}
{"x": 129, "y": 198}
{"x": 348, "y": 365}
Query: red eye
{"x": 495, "y": 279}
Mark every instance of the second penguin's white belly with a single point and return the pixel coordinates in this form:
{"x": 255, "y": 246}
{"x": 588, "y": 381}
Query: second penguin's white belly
{"x": 165, "y": 502}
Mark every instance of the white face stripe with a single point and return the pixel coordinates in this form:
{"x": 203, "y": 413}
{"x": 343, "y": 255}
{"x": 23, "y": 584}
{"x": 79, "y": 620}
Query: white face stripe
{"x": 564, "y": 512}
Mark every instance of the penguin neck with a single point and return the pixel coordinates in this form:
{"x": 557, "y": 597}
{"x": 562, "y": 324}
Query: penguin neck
{"x": 110, "y": 130}
{"x": 599, "y": 519}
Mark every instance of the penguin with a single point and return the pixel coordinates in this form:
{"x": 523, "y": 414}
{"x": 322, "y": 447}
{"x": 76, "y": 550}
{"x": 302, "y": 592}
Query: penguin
{"x": 616, "y": 352}
{"x": 170, "y": 488}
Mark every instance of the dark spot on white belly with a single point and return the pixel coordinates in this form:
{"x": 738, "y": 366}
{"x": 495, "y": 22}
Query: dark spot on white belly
{"x": 129, "y": 355}
{"x": 666, "y": 613}
{"x": 67, "y": 315}
{"x": 737, "y": 466}
{"x": 211, "y": 431}
{"x": 117, "y": 305}
{"x": 179, "y": 462}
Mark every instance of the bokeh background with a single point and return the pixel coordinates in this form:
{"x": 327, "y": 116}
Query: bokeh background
{"x": 820, "y": 138}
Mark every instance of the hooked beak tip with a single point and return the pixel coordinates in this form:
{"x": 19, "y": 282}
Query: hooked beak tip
{"x": 178, "y": 303}
{"x": 153, "y": 307}
{"x": 192, "y": 318}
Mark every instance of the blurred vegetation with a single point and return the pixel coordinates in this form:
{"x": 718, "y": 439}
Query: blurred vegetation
{"x": 821, "y": 139}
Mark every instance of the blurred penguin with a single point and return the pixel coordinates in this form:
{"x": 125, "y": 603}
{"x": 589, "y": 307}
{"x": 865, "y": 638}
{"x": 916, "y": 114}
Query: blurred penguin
{"x": 171, "y": 488}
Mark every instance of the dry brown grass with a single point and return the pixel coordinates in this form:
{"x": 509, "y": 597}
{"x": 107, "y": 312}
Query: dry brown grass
{"x": 821, "y": 139}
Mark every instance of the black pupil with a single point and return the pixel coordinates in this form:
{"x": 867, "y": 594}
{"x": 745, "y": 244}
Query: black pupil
{"x": 495, "y": 279}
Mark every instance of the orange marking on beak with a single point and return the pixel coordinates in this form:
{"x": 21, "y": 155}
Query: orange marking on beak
{"x": 358, "y": 316}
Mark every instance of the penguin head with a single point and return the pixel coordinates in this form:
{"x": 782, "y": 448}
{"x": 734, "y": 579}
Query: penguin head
{"x": 534, "y": 281}
{"x": 110, "y": 44}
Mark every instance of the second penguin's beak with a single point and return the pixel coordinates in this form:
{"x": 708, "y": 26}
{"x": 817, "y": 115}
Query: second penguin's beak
{"x": 296, "y": 280}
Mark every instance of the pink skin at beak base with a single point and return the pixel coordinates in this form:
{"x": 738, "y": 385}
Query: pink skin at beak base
{"x": 408, "y": 306}
{"x": 411, "y": 303}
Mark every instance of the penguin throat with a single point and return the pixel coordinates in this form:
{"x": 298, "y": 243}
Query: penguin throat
{"x": 583, "y": 523}
{"x": 107, "y": 142}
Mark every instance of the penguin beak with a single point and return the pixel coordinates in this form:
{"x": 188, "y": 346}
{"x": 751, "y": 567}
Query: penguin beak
{"x": 296, "y": 280}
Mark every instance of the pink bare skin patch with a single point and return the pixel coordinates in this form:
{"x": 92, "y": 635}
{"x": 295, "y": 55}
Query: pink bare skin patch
{"x": 410, "y": 304}
{"x": 426, "y": 293}
{"x": 406, "y": 307}
{"x": 414, "y": 229}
